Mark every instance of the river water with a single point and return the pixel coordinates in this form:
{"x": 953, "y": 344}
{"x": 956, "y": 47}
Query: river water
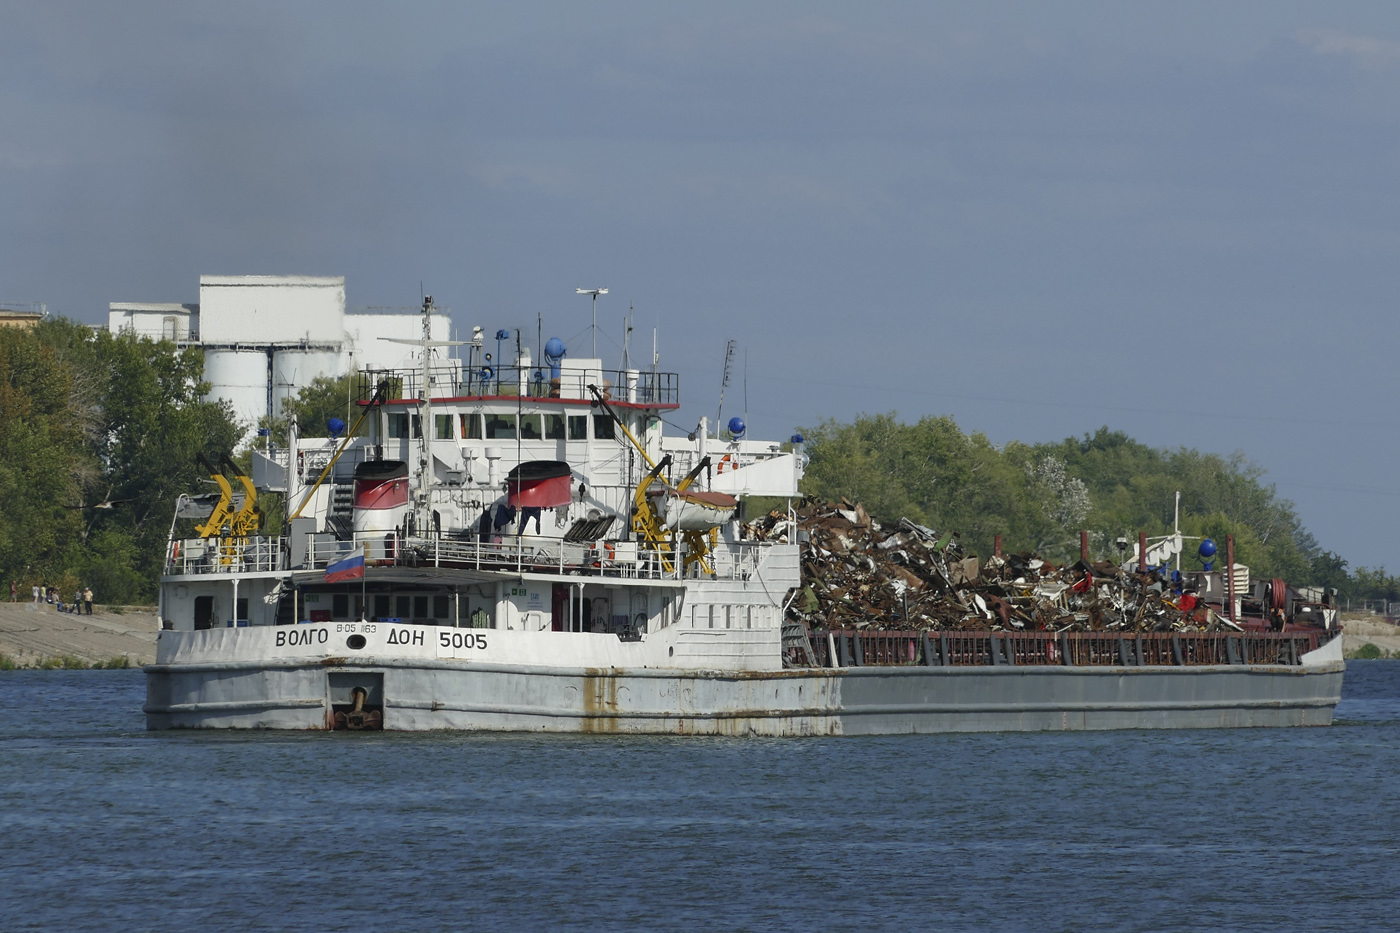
{"x": 104, "y": 826}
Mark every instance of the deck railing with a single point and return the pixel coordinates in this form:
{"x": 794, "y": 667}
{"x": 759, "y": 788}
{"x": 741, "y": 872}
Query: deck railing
{"x": 199, "y": 556}
{"x": 637, "y": 386}
{"x": 851, "y": 648}
{"x": 258, "y": 553}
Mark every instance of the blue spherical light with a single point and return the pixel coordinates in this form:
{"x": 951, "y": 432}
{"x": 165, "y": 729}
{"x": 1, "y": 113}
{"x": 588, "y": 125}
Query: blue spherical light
{"x": 1207, "y": 550}
{"x": 336, "y": 427}
{"x": 737, "y": 426}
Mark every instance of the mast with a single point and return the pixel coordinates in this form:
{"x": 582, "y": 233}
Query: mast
{"x": 425, "y": 471}
{"x": 422, "y": 495}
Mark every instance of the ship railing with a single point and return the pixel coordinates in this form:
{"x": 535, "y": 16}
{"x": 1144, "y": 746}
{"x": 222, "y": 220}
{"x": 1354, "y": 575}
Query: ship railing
{"x": 521, "y": 554}
{"x": 723, "y": 460}
{"x": 877, "y": 647}
{"x": 197, "y": 556}
{"x": 737, "y": 560}
{"x": 636, "y": 386}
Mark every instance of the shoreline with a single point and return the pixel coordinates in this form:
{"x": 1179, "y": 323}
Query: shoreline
{"x": 1360, "y": 631}
{"x": 37, "y": 635}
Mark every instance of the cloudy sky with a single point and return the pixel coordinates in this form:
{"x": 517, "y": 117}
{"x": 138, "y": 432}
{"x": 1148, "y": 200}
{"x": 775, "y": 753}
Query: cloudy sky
{"x": 1179, "y": 220}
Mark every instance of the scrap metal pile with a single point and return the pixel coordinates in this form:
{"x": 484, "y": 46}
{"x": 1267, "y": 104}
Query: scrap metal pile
{"x": 859, "y": 574}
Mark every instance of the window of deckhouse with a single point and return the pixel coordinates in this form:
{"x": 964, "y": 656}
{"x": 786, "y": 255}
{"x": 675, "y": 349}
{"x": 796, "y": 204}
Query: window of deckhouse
{"x": 442, "y": 427}
{"x": 604, "y": 428}
{"x": 500, "y": 427}
{"x": 471, "y": 427}
{"x": 578, "y": 427}
{"x": 554, "y": 427}
{"x": 530, "y": 429}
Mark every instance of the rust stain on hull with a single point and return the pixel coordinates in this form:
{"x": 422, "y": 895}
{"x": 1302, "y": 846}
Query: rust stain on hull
{"x": 600, "y": 709}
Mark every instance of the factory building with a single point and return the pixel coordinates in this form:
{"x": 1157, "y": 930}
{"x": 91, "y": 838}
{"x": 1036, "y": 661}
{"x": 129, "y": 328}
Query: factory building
{"x": 264, "y": 337}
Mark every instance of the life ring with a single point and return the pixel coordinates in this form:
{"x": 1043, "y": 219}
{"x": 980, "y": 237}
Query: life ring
{"x": 727, "y": 458}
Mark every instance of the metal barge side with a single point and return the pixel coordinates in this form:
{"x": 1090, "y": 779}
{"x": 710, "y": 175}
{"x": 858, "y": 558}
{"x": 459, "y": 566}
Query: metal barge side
{"x": 417, "y": 690}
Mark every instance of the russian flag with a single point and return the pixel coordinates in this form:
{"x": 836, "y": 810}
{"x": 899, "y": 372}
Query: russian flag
{"x": 350, "y": 568}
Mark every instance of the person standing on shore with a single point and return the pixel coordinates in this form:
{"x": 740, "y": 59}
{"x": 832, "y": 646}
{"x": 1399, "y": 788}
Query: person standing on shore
{"x": 14, "y": 592}
{"x": 36, "y": 594}
{"x": 87, "y": 599}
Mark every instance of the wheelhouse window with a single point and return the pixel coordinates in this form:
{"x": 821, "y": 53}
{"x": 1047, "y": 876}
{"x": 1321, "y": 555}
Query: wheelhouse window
{"x": 604, "y": 428}
{"x": 578, "y": 427}
{"x": 530, "y": 429}
{"x": 442, "y": 427}
{"x": 471, "y": 427}
{"x": 398, "y": 424}
{"x": 500, "y": 427}
{"x": 554, "y": 427}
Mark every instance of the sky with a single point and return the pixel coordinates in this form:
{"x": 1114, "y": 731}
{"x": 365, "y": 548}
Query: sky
{"x": 1177, "y": 220}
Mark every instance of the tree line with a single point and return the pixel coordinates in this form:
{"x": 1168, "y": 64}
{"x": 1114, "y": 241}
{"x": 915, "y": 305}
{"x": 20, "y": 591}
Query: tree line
{"x": 1039, "y": 497}
{"x": 98, "y": 435}
{"x": 99, "y": 432}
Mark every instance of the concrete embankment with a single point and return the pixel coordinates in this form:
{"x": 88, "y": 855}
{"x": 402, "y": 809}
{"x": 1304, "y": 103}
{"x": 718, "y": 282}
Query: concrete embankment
{"x": 31, "y": 634}
{"x": 1372, "y": 630}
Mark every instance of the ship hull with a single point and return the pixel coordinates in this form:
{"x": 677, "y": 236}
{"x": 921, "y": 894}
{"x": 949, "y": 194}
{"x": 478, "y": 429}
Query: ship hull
{"x": 421, "y": 695}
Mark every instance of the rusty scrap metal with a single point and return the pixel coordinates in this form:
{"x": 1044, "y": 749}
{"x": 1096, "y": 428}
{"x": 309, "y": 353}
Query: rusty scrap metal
{"x": 858, "y": 574}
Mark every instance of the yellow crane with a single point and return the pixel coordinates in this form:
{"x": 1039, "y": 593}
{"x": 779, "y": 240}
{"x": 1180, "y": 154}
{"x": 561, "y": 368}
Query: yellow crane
{"x": 645, "y": 521}
{"x": 231, "y": 527}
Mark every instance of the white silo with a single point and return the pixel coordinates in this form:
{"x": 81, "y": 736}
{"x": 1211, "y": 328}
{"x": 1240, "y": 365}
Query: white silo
{"x": 240, "y": 376}
{"x": 294, "y": 368}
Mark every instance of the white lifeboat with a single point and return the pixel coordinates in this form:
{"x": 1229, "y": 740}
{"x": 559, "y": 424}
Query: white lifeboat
{"x": 693, "y": 510}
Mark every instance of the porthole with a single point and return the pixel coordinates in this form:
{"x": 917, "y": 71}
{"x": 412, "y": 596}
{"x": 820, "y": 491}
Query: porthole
{"x": 671, "y": 651}
{"x": 355, "y": 641}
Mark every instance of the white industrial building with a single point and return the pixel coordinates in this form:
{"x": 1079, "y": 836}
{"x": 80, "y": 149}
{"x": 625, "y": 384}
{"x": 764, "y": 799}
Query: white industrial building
{"x": 266, "y": 336}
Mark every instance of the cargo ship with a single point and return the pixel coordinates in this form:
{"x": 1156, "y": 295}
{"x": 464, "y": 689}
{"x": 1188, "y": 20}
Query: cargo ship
{"x": 523, "y": 548}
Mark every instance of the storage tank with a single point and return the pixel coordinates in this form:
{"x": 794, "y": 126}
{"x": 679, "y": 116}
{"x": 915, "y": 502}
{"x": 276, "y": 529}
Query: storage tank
{"x": 240, "y": 376}
{"x": 294, "y": 368}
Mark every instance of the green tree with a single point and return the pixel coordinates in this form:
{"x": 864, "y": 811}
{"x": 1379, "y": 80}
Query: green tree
{"x": 315, "y": 404}
{"x": 45, "y": 466}
{"x": 1040, "y": 496}
{"x": 98, "y": 435}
